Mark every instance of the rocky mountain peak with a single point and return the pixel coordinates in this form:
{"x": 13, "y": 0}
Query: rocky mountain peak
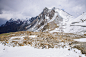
{"x": 45, "y": 9}
{"x": 48, "y": 19}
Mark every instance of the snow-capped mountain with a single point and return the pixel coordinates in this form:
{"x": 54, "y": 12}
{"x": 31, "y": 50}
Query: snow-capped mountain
{"x": 10, "y": 26}
{"x": 49, "y": 20}
{"x": 14, "y": 25}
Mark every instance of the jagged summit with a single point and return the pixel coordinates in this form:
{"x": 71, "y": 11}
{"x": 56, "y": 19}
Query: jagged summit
{"x": 49, "y": 19}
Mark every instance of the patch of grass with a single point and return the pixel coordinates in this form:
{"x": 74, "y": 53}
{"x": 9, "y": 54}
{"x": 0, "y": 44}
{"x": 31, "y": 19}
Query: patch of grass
{"x": 6, "y": 34}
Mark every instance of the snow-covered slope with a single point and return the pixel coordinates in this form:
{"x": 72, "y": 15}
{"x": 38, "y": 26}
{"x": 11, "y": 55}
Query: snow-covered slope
{"x": 78, "y": 25}
{"x": 28, "y": 51}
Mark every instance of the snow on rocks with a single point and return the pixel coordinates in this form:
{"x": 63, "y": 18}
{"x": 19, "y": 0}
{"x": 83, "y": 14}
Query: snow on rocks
{"x": 33, "y": 36}
{"x": 17, "y": 38}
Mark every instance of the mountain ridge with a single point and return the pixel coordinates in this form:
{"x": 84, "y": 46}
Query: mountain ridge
{"x": 49, "y": 20}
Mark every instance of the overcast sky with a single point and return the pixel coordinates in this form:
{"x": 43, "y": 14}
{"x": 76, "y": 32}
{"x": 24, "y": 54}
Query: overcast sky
{"x": 31, "y": 8}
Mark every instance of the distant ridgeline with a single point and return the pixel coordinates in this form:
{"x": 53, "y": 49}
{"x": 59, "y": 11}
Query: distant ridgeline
{"x": 15, "y": 25}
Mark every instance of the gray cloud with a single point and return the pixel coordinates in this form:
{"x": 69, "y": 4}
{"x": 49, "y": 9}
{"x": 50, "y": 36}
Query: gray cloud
{"x": 31, "y": 8}
{"x": 2, "y": 21}
{"x": 0, "y": 11}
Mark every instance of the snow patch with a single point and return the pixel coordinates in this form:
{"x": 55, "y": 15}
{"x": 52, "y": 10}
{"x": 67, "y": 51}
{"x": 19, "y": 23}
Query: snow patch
{"x": 80, "y": 40}
{"x": 33, "y": 36}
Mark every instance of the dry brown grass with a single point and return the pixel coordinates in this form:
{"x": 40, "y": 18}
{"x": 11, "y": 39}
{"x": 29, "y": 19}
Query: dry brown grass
{"x": 43, "y": 39}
